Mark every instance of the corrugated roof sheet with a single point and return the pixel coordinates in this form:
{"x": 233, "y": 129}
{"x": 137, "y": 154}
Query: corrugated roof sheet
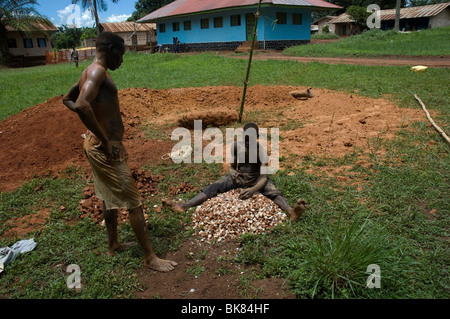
{"x": 405, "y": 13}
{"x": 182, "y": 7}
{"x": 39, "y": 26}
{"x": 119, "y": 27}
{"x": 415, "y": 12}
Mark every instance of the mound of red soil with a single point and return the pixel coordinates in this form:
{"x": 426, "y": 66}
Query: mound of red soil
{"x": 46, "y": 138}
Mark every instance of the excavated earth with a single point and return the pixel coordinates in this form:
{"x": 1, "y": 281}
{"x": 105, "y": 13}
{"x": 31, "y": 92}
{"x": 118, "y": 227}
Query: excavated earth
{"x": 47, "y": 138}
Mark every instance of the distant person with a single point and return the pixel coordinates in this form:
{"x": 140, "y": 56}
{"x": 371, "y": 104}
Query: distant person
{"x": 94, "y": 98}
{"x": 74, "y": 56}
{"x": 176, "y": 44}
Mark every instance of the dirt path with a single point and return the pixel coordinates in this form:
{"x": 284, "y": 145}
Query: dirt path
{"x": 429, "y": 61}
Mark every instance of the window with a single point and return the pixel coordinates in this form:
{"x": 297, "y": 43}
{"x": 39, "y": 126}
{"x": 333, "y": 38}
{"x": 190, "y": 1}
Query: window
{"x": 12, "y": 43}
{"x": 162, "y": 28}
{"x": 187, "y": 25}
{"x": 204, "y": 23}
{"x": 297, "y": 18}
{"x": 235, "y": 20}
{"x": 218, "y": 22}
{"x": 27, "y": 43}
{"x": 281, "y": 18}
{"x": 176, "y": 26}
{"x": 42, "y": 43}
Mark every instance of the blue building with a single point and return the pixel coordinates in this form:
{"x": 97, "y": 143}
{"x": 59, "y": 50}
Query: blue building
{"x": 226, "y": 24}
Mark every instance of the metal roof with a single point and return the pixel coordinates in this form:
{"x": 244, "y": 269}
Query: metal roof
{"x": 183, "y": 7}
{"x": 405, "y": 13}
{"x": 39, "y": 25}
{"x": 415, "y": 12}
{"x": 128, "y": 27}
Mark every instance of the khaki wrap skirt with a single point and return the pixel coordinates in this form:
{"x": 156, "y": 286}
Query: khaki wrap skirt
{"x": 113, "y": 180}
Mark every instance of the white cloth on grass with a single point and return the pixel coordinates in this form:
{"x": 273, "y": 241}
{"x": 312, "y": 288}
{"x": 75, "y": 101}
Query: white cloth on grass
{"x": 8, "y": 254}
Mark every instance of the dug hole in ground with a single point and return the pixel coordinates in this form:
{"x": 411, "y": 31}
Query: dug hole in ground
{"x": 47, "y": 138}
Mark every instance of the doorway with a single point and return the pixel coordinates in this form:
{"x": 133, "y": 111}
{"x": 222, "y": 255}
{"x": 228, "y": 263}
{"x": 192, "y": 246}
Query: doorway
{"x": 250, "y": 25}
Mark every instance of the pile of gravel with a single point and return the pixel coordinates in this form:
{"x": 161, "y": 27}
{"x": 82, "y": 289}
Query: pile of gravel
{"x": 226, "y": 216}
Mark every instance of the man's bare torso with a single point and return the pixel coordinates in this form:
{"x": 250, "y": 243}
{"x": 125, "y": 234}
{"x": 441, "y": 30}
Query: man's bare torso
{"x": 106, "y": 104}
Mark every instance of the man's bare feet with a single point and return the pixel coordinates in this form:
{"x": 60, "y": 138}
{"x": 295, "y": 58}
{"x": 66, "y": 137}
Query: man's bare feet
{"x": 176, "y": 207}
{"x": 120, "y": 247}
{"x": 298, "y": 210}
{"x": 160, "y": 264}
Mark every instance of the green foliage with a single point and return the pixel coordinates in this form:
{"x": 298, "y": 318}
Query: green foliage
{"x": 88, "y": 33}
{"x": 376, "y": 42}
{"x": 359, "y": 15}
{"x": 66, "y": 37}
{"x": 324, "y": 36}
{"x": 144, "y": 7}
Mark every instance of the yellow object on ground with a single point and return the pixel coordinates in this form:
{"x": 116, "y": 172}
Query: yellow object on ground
{"x": 419, "y": 68}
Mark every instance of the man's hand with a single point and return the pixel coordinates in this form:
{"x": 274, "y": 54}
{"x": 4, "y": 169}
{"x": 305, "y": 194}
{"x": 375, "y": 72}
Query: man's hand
{"x": 112, "y": 152}
{"x": 246, "y": 193}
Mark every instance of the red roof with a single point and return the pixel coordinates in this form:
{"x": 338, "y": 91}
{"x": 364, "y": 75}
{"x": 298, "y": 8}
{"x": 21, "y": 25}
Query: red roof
{"x": 183, "y": 7}
{"x": 119, "y": 27}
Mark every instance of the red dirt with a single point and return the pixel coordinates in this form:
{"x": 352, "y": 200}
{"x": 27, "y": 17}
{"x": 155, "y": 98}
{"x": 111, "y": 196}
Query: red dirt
{"x": 46, "y": 138}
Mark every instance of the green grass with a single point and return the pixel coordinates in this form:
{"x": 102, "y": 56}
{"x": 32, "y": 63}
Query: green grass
{"x": 376, "y": 42}
{"x": 324, "y": 255}
{"x": 385, "y": 223}
{"x": 23, "y": 88}
{"x": 325, "y": 36}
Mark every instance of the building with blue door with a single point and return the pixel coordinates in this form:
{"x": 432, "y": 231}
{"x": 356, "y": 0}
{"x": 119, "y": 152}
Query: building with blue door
{"x": 226, "y": 24}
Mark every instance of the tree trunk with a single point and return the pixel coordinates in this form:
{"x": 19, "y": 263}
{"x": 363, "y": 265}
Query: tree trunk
{"x": 4, "y": 50}
{"x": 397, "y": 15}
{"x": 97, "y": 22}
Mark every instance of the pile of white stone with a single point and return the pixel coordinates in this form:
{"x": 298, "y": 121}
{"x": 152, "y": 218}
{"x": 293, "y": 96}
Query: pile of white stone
{"x": 226, "y": 216}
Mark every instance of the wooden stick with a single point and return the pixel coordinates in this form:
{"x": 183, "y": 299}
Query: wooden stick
{"x": 431, "y": 120}
{"x": 255, "y": 28}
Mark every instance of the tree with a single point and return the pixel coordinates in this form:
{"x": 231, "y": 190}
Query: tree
{"x": 88, "y": 33}
{"x": 95, "y": 6}
{"x": 67, "y": 38}
{"x": 19, "y": 15}
{"x": 359, "y": 15}
{"x": 144, "y": 7}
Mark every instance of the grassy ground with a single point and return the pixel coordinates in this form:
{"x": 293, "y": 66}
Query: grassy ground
{"x": 398, "y": 217}
{"x": 22, "y": 88}
{"x": 378, "y": 43}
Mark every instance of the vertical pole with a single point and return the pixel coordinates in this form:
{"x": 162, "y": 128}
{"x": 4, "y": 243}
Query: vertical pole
{"x": 249, "y": 61}
{"x": 397, "y": 16}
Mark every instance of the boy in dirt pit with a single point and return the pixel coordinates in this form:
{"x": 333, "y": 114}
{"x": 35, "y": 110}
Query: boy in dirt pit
{"x": 245, "y": 173}
{"x": 94, "y": 98}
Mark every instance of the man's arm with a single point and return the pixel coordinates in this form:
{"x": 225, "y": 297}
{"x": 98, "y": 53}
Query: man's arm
{"x": 83, "y": 107}
{"x": 258, "y": 187}
{"x": 71, "y": 97}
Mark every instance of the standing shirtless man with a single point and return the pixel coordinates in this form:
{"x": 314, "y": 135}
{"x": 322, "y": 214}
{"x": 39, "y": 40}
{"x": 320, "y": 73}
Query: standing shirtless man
{"x": 94, "y": 98}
